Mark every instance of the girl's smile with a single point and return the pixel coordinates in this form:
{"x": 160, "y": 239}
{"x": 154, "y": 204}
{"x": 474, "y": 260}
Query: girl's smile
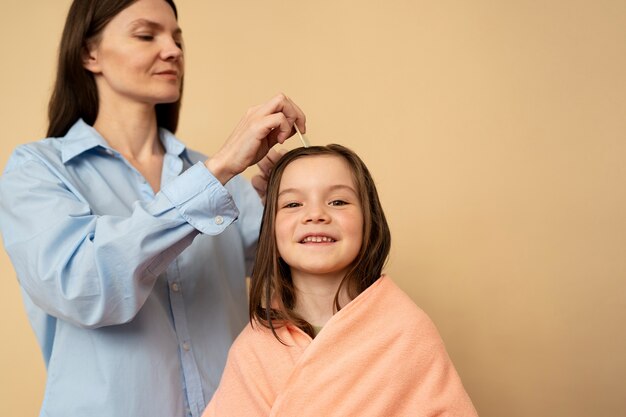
{"x": 318, "y": 239}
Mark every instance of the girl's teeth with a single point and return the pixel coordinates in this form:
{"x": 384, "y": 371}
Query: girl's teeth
{"x": 317, "y": 239}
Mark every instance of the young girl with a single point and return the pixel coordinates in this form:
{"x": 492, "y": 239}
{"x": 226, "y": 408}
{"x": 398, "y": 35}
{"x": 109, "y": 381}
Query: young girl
{"x": 328, "y": 334}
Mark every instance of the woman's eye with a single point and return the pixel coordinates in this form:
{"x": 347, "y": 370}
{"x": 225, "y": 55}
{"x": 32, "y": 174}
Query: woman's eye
{"x": 338, "y": 203}
{"x": 145, "y": 37}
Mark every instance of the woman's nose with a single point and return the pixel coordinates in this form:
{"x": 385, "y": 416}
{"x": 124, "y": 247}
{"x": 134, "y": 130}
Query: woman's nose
{"x": 172, "y": 51}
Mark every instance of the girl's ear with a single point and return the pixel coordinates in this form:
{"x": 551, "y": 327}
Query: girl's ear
{"x": 90, "y": 58}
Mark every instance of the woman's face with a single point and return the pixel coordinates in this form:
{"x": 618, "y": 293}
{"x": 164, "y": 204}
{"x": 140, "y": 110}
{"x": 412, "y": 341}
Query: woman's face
{"x": 138, "y": 56}
{"x": 319, "y": 218}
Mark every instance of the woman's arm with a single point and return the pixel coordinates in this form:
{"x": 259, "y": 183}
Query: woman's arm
{"x": 97, "y": 270}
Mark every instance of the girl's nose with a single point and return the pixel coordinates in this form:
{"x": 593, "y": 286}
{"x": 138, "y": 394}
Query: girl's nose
{"x": 316, "y": 214}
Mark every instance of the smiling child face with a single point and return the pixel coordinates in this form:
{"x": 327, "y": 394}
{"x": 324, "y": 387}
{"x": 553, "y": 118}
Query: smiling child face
{"x": 319, "y": 219}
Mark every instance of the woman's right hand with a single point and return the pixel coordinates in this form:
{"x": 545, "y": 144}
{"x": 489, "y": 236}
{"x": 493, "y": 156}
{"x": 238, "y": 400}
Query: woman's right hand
{"x": 262, "y": 127}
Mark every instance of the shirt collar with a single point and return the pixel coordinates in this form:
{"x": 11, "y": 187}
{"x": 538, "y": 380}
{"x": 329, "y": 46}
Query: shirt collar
{"x": 171, "y": 144}
{"x": 81, "y": 137}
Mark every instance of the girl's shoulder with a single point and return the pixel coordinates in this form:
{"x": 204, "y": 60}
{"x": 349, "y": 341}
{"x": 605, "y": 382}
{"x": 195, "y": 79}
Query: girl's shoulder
{"x": 254, "y": 334}
{"x": 384, "y": 305}
{"x": 256, "y": 337}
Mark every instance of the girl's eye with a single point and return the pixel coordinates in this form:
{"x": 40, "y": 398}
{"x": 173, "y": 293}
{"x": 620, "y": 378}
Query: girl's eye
{"x": 338, "y": 203}
{"x": 292, "y": 205}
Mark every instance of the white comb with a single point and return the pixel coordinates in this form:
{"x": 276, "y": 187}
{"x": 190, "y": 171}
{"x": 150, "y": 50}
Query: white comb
{"x": 303, "y": 139}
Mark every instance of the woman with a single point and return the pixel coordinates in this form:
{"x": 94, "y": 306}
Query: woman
{"x": 130, "y": 249}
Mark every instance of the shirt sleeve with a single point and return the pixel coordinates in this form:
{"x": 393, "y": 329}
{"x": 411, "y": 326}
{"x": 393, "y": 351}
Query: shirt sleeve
{"x": 97, "y": 270}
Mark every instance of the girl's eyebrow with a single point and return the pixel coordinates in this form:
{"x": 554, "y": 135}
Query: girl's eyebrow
{"x": 331, "y": 188}
{"x": 152, "y": 25}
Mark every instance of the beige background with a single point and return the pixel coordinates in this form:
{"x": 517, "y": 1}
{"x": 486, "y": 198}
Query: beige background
{"x": 495, "y": 131}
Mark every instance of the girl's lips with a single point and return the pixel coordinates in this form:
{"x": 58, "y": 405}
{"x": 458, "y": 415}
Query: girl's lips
{"x": 317, "y": 239}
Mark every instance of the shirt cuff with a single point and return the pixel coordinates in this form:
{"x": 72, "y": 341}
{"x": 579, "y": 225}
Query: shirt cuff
{"x": 202, "y": 200}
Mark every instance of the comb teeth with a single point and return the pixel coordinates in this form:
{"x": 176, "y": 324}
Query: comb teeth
{"x": 303, "y": 139}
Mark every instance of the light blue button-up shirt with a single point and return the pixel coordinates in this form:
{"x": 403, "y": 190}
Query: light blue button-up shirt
{"x": 134, "y": 297}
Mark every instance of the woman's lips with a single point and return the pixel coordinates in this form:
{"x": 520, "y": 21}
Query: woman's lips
{"x": 168, "y": 74}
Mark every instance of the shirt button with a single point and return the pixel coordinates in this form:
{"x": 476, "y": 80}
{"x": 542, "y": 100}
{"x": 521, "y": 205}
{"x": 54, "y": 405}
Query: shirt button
{"x": 219, "y": 220}
{"x": 186, "y": 347}
{"x": 175, "y": 287}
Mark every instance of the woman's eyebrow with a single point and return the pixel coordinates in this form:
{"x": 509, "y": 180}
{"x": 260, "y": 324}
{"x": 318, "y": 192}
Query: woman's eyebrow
{"x": 152, "y": 25}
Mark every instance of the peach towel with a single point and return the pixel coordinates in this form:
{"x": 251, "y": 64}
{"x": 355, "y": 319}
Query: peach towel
{"x": 379, "y": 356}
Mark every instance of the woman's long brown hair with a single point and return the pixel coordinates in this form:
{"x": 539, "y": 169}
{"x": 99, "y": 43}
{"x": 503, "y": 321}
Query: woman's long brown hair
{"x": 75, "y": 94}
{"x": 272, "y": 294}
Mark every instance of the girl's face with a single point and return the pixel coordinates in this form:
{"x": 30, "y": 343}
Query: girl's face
{"x": 138, "y": 55}
{"x": 319, "y": 219}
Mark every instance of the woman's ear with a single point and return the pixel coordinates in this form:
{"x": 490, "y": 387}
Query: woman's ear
{"x": 90, "y": 58}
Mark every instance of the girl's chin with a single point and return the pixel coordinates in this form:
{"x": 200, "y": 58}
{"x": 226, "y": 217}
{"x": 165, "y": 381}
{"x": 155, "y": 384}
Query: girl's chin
{"x": 319, "y": 273}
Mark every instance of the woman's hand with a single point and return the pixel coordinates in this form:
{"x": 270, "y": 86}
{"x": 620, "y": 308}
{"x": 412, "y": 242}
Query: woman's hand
{"x": 262, "y": 127}
{"x": 259, "y": 181}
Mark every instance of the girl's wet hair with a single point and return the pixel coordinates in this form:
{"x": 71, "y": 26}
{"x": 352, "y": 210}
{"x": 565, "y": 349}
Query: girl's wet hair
{"x": 272, "y": 294}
